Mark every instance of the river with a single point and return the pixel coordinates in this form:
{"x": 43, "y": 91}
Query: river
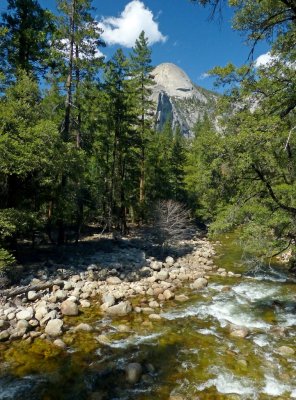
{"x": 189, "y": 354}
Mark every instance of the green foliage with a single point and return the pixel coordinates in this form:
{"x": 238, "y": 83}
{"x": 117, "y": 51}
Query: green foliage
{"x": 252, "y": 172}
{"x": 6, "y": 261}
{"x": 25, "y": 42}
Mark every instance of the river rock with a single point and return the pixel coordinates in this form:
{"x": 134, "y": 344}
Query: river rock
{"x": 22, "y": 326}
{"x": 60, "y": 295}
{"x": 199, "y": 283}
{"x": 51, "y": 315}
{"x": 122, "y": 328}
{"x": 60, "y": 343}
{"x": 113, "y": 280}
{"x": 69, "y": 308}
{"x": 286, "y": 351}
{"x": 67, "y": 286}
{"x": 26, "y": 314}
{"x": 32, "y": 295}
{"x": 4, "y": 335}
{"x": 150, "y": 292}
{"x": 162, "y": 275}
{"x": 41, "y": 312}
{"x": 133, "y": 372}
{"x": 181, "y": 298}
{"x": 156, "y": 265}
{"x": 122, "y": 308}
{"x": 155, "y": 317}
{"x": 83, "y": 327}
{"x": 169, "y": 261}
{"x": 153, "y": 304}
{"x": 85, "y": 304}
{"x": 54, "y": 327}
{"x": 239, "y": 331}
{"x": 4, "y": 325}
{"x": 168, "y": 295}
{"x": 108, "y": 299}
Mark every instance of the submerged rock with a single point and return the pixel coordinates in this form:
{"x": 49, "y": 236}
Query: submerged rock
{"x": 122, "y": 308}
{"x": 83, "y": 327}
{"x": 60, "y": 343}
{"x": 199, "y": 283}
{"x": 181, "y": 298}
{"x": 133, "y": 372}
{"x": 286, "y": 351}
{"x": 239, "y": 331}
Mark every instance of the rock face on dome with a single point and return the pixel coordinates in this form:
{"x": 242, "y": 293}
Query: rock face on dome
{"x": 178, "y": 99}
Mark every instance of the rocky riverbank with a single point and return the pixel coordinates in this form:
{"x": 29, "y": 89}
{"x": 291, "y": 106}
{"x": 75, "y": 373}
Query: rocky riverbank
{"x": 111, "y": 282}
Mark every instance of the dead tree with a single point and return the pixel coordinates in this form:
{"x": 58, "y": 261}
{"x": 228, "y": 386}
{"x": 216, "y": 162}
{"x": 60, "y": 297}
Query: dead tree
{"x": 171, "y": 223}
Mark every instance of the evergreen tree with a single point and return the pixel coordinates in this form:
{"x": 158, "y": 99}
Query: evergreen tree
{"x": 121, "y": 122}
{"x": 29, "y": 155}
{"x": 142, "y": 83}
{"x": 25, "y": 44}
{"x": 76, "y": 61}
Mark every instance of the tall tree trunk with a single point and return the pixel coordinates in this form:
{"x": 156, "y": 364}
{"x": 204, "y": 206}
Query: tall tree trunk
{"x": 68, "y": 108}
{"x": 142, "y": 164}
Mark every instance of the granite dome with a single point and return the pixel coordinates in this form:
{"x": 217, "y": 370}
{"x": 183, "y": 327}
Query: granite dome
{"x": 173, "y": 80}
{"x": 178, "y": 99}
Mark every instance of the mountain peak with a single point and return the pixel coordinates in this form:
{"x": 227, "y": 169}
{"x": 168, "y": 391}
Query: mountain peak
{"x": 178, "y": 99}
{"x": 173, "y": 80}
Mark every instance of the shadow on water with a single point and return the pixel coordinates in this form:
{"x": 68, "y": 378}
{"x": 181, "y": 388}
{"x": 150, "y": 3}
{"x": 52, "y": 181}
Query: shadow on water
{"x": 97, "y": 377}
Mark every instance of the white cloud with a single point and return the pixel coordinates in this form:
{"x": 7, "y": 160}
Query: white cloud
{"x": 203, "y": 76}
{"x": 264, "y": 60}
{"x": 88, "y": 49}
{"x": 125, "y": 29}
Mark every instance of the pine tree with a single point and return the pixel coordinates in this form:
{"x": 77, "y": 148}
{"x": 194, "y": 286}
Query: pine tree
{"x": 76, "y": 61}
{"x": 142, "y": 83}
{"x": 25, "y": 44}
{"x": 121, "y": 121}
{"x": 29, "y": 155}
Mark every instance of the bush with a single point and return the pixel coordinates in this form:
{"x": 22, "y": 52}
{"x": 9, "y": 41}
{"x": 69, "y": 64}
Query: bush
{"x": 7, "y": 261}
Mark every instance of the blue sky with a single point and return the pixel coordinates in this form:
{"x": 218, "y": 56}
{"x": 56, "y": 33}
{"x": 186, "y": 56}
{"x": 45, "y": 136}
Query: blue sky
{"x": 179, "y": 30}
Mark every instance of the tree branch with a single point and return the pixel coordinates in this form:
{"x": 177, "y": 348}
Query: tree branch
{"x": 269, "y": 188}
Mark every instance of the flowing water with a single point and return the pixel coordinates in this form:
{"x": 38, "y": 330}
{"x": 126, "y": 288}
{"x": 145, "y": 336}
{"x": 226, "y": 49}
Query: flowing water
{"x": 189, "y": 353}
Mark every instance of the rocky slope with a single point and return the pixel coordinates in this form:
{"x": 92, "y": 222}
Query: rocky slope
{"x": 178, "y": 99}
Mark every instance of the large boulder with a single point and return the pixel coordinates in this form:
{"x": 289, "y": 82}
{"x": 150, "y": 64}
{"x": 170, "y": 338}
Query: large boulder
{"x": 122, "y": 308}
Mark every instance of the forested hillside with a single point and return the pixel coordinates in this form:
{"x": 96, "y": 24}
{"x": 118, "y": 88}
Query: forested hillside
{"x": 77, "y": 139}
{"x": 246, "y": 176}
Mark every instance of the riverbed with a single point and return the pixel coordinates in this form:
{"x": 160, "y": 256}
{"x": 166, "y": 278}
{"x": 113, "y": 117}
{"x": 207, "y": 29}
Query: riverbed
{"x": 188, "y": 354}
